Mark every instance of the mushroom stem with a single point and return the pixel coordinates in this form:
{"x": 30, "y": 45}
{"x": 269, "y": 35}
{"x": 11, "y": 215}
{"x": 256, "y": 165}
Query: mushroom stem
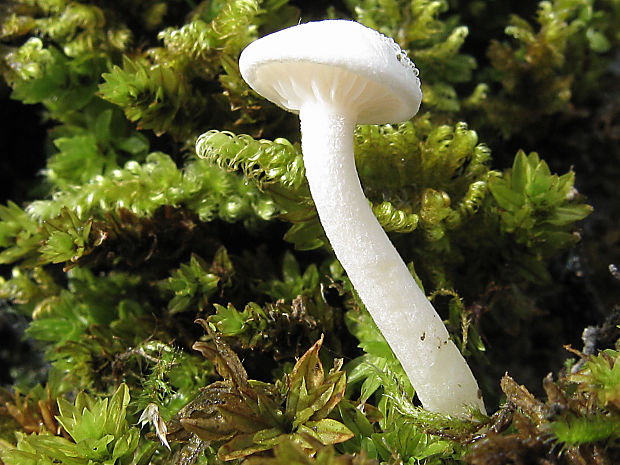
{"x": 440, "y": 375}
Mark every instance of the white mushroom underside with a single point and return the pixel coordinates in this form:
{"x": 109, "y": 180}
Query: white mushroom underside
{"x": 292, "y": 86}
{"x": 311, "y": 49}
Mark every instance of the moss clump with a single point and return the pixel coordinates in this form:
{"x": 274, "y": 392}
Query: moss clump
{"x": 127, "y": 235}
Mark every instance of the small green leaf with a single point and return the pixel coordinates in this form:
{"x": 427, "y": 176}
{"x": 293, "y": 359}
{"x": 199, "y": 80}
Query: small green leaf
{"x": 564, "y": 216}
{"x": 505, "y": 197}
{"x": 126, "y": 444}
{"x": 268, "y": 437}
{"x": 337, "y": 382}
{"x": 228, "y": 320}
{"x": 308, "y": 369}
{"x": 94, "y": 449}
{"x": 597, "y": 41}
{"x": 520, "y": 175}
{"x": 102, "y": 126}
{"x": 290, "y": 268}
{"x": 327, "y": 431}
{"x": 240, "y": 446}
{"x": 305, "y": 236}
{"x": 355, "y": 420}
{"x": 114, "y": 419}
{"x": 134, "y": 145}
{"x": 576, "y": 431}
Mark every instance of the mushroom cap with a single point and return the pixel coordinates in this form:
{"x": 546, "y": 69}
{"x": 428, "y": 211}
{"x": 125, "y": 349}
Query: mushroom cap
{"x": 336, "y": 63}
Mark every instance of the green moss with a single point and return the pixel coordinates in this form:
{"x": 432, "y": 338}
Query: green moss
{"x": 98, "y": 431}
{"x": 131, "y": 236}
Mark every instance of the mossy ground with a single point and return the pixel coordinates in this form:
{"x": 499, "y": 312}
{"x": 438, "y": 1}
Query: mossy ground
{"x": 145, "y": 186}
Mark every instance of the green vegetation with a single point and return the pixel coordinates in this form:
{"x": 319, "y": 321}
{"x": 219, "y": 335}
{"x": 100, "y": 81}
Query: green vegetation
{"x": 166, "y": 193}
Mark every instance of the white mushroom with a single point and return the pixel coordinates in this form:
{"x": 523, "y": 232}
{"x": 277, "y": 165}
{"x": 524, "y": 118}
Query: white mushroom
{"x": 335, "y": 74}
